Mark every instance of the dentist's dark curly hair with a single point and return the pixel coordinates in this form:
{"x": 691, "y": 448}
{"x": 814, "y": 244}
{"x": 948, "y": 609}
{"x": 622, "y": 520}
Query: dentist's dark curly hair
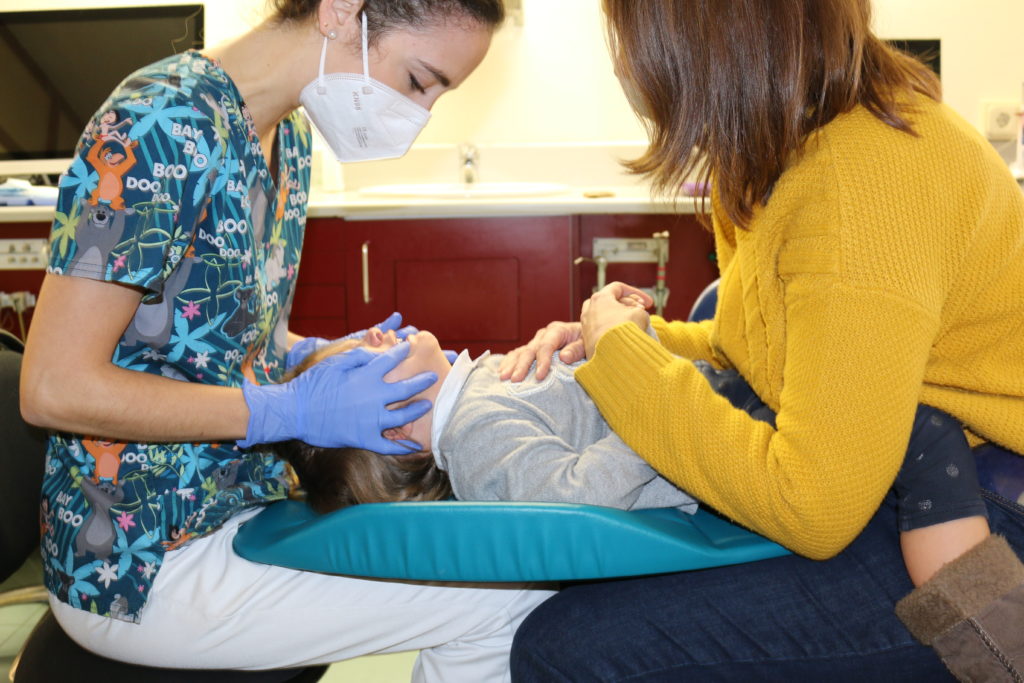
{"x": 383, "y": 16}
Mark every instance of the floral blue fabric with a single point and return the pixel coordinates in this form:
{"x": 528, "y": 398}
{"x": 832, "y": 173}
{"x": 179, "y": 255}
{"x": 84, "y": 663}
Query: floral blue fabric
{"x": 170, "y": 193}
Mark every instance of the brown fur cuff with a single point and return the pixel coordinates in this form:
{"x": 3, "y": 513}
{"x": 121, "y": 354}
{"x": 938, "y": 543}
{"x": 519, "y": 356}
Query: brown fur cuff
{"x": 961, "y": 589}
{"x": 987, "y": 647}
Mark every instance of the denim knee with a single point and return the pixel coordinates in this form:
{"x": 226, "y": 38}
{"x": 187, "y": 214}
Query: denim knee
{"x": 542, "y": 648}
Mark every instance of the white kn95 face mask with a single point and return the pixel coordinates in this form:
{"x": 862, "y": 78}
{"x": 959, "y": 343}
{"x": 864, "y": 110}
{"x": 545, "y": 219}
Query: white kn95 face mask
{"x": 360, "y": 118}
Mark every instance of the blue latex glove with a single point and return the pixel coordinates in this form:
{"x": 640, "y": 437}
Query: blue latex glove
{"x": 452, "y": 356}
{"x": 340, "y": 401}
{"x": 302, "y": 348}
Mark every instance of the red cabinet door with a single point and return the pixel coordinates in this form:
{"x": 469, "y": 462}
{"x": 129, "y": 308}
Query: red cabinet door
{"x": 691, "y": 263}
{"x": 480, "y": 283}
{"x": 318, "y": 309}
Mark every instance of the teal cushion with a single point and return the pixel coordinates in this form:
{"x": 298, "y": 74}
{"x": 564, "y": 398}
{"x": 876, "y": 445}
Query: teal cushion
{"x": 466, "y": 541}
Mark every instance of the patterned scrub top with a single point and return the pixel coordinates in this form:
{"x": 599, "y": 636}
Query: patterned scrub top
{"x": 170, "y": 193}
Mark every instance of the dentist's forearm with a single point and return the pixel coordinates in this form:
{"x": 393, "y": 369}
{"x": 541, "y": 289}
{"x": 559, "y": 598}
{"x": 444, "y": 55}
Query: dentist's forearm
{"x": 133, "y": 406}
{"x": 69, "y": 383}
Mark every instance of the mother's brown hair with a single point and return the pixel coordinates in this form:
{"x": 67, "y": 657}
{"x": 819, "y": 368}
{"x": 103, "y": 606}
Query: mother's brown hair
{"x": 743, "y": 82}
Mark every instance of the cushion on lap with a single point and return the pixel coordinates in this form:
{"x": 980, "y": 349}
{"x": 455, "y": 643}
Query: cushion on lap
{"x": 468, "y": 541}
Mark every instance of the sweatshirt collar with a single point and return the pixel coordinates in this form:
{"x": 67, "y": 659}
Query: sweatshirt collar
{"x": 448, "y": 395}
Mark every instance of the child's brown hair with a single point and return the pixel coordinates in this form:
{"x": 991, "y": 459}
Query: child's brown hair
{"x": 334, "y": 478}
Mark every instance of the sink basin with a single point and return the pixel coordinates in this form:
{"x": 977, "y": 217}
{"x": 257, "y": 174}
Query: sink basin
{"x": 460, "y": 191}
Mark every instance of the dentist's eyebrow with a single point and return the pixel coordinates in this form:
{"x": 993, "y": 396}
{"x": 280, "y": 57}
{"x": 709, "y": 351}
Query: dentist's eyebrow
{"x": 436, "y": 73}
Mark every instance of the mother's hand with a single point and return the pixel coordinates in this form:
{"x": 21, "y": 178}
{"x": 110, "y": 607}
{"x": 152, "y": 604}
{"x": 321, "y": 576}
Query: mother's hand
{"x": 614, "y": 304}
{"x": 557, "y": 335}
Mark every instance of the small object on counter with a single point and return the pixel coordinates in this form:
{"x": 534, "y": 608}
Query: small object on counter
{"x": 16, "y": 192}
{"x": 598, "y": 194}
{"x": 696, "y": 189}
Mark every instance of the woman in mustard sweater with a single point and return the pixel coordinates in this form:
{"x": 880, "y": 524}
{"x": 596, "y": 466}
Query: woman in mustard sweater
{"x": 871, "y": 247}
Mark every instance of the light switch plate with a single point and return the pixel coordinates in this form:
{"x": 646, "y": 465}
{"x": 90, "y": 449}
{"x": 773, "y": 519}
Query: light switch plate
{"x": 1002, "y": 120}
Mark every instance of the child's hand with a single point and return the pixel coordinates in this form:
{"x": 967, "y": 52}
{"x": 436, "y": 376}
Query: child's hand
{"x": 633, "y": 299}
{"x": 616, "y": 303}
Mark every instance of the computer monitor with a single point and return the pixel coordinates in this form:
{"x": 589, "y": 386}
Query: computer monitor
{"x": 928, "y": 50}
{"x": 58, "y": 66}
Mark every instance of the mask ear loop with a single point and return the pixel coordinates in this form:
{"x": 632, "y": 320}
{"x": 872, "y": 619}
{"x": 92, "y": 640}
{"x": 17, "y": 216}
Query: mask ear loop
{"x": 367, "y": 89}
{"x": 321, "y": 88}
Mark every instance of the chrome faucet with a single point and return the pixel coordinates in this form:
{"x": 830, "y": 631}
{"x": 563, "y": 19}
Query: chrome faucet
{"x": 468, "y": 157}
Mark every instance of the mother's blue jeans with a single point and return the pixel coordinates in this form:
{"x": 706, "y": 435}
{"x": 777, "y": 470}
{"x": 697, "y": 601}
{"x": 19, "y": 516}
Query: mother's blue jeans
{"x": 785, "y": 619}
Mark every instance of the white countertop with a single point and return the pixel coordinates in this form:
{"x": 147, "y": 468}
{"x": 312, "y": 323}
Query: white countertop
{"x": 26, "y": 214}
{"x": 592, "y": 174}
{"x": 353, "y": 206}
{"x": 574, "y": 201}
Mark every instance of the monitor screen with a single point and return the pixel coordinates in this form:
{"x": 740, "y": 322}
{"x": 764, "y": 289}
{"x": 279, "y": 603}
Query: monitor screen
{"x": 58, "y": 66}
{"x": 928, "y": 51}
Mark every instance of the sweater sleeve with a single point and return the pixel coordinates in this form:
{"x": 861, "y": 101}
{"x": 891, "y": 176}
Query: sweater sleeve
{"x": 853, "y": 372}
{"x": 686, "y": 339}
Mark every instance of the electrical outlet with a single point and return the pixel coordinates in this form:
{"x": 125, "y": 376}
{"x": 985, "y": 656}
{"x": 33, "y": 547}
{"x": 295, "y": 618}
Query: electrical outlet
{"x": 1002, "y": 120}
{"x": 24, "y": 254}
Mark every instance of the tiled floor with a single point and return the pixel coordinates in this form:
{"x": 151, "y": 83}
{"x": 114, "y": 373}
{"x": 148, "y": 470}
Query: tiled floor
{"x": 15, "y": 623}
{"x": 17, "y": 620}
{"x": 395, "y": 668}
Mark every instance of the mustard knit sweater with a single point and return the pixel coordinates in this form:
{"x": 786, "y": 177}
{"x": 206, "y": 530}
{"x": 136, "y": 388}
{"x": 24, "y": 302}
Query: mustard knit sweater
{"x": 885, "y": 270}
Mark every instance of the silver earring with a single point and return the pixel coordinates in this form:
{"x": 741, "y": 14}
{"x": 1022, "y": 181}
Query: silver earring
{"x": 332, "y": 34}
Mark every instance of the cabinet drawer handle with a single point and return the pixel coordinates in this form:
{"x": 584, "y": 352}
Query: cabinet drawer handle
{"x": 366, "y": 272}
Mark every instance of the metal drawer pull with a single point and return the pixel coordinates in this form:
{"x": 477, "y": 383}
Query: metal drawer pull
{"x": 366, "y": 272}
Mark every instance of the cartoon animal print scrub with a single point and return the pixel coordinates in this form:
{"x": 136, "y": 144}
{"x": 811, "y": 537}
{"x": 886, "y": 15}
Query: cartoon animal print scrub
{"x": 112, "y": 159}
{"x": 170, "y": 194}
{"x": 98, "y": 231}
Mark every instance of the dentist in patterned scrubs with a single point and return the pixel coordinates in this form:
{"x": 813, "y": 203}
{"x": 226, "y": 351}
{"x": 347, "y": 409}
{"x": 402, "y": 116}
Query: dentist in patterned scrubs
{"x": 161, "y": 331}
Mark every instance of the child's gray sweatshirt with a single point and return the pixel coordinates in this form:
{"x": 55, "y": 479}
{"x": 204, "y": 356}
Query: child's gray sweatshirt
{"x": 545, "y": 442}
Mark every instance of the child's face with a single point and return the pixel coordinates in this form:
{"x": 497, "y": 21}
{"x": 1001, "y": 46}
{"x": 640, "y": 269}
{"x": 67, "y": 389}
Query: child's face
{"x": 425, "y": 355}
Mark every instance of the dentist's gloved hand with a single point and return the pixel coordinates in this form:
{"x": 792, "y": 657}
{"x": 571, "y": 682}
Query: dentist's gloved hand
{"x": 340, "y": 401}
{"x": 302, "y": 348}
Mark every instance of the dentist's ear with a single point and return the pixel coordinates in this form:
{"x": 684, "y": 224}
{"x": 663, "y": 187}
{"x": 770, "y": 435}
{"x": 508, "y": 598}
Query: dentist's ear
{"x": 334, "y": 14}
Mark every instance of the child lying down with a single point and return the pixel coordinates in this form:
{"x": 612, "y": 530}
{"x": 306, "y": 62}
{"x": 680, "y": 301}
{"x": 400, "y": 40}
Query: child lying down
{"x": 545, "y": 441}
{"x": 484, "y": 439}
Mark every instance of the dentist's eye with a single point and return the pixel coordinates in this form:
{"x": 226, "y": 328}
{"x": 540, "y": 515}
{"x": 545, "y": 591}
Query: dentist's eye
{"x": 416, "y": 84}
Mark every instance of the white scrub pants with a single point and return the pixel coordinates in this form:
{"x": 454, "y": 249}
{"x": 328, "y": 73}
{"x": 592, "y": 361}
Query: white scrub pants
{"x": 211, "y": 609}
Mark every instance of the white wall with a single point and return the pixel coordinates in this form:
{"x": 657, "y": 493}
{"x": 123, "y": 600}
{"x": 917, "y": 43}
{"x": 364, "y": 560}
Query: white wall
{"x": 550, "y": 80}
{"x": 981, "y": 39}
